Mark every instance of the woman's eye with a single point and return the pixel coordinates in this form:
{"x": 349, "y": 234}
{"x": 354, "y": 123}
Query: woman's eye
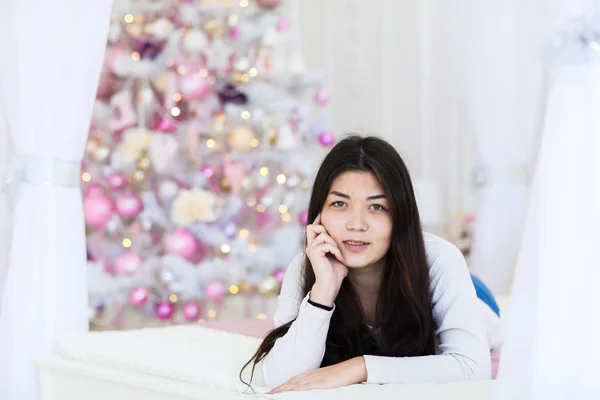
{"x": 378, "y": 207}
{"x": 338, "y": 204}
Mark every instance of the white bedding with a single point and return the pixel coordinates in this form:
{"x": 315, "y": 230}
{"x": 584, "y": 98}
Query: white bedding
{"x": 191, "y": 362}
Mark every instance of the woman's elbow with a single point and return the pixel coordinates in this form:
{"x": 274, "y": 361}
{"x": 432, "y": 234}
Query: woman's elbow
{"x": 274, "y": 374}
{"x": 475, "y": 369}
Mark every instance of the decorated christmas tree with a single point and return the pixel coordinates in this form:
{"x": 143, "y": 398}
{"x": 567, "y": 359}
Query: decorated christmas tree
{"x": 205, "y": 137}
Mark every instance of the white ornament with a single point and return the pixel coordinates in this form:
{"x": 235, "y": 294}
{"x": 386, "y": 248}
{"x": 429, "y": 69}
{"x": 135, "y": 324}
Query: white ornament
{"x": 168, "y": 190}
{"x": 271, "y": 37}
{"x": 161, "y": 28}
{"x": 218, "y": 55}
{"x": 286, "y": 139}
{"x": 194, "y": 42}
{"x": 296, "y": 65}
{"x": 114, "y": 32}
{"x": 242, "y": 64}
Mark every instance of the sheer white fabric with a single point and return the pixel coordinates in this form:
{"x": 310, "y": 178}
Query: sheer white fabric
{"x": 550, "y": 350}
{"x": 5, "y": 151}
{"x": 498, "y": 55}
{"x": 51, "y": 56}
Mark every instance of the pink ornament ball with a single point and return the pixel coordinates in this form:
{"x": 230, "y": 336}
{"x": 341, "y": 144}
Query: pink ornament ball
{"x": 303, "y": 218}
{"x": 278, "y": 274}
{"x": 165, "y": 126}
{"x": 164, "y": 310}
{"x": 268, "y": 4}
{"x": 129, "y": 205}
{"x": 97, "y": 210}
{"x": 191, "y": 311}
{"x": 215, "y": 291}
{"x": 327, "y": 138}
{"x": 193, "y": 87}
{"x": 208, "y": 171}
{"x": 128, "y": 263}
{"x": 322, "y": 97}
{"x": 182, "y": 243}
{"x": 93, "y": 189}
{"x": 283, "y": 26}
{"x": 234, "y": 32}
{"x": 117, "y": 181}
{"x": 139, "y": 296}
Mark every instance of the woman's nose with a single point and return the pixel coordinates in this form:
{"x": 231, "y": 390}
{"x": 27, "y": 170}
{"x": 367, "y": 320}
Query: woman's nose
{"x": 356, "y": 221}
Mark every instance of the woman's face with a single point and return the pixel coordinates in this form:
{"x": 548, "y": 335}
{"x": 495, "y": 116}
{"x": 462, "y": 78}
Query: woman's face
{"x": 356, "y": 215}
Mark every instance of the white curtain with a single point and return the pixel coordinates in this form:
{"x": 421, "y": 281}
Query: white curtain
{"x": 551, "y": 349}
{"x": 5, "y": 151}
{"x": 499, "y": 71}
{"x": 51, "y": 56}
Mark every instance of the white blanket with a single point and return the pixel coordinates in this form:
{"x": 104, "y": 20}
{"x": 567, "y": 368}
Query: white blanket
{"x": 212, "y": 359}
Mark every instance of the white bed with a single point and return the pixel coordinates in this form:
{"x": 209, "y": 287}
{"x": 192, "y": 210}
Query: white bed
{"x": 192, "y": 362}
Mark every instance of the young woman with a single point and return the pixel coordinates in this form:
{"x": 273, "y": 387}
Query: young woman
{"x": 374, "y": 299}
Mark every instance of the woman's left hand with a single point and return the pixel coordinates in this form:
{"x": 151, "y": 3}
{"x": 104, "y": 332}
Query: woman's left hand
{"x": 343, "y": 374}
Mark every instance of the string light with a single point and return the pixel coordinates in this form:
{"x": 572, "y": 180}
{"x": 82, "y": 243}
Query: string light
{"x": 135, "y": 56}
{"x": 177, "y": 97}
{"x": 181, "y": 70}
{"x": 175, "y": 111}
{"x": 287, "y": 217}
{"x": 245, "y": 78}
{"x": 212, "y": 313}
{"x": 86, "y": 177}
{"x": 252, "y": 247}
{"x": 243, "y": 3}
{"x": 281, "y": 179}
{"x": 245, "y": 114}
{"x": 254, "y": 142}
{"x": 261, "y": 316}
{"x": 127, "y": 243}
{"x": 251, "y": 203}
{"x": 173, "y": 298}
{"x": 233, "y": 289}
{"x": 260, "y": 208}
{"x": 128, "y": 18}
{"x": 210, "y": 143}
{"x": 233, "y": 19}
{"x": 200, "y": 321}
{"x": 264, "y": 171}
{"x": 244, "y": 233}
{"x": 252, "y": 72}
{"x": 225, "y": 248}
{"x": 283, "y": 209}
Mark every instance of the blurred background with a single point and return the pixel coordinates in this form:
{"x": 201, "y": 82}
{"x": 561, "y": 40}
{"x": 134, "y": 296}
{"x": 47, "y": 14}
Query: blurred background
{"x": 211, "y": 117}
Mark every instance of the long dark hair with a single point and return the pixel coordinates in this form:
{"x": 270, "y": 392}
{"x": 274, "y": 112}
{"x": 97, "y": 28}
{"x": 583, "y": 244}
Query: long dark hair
{"x": 404, "y": 319}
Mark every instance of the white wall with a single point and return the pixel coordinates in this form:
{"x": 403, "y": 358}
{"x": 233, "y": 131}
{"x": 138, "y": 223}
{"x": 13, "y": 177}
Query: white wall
{"x": 389, "y": 74}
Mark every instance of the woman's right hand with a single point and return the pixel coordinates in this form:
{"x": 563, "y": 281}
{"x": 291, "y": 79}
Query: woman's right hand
{"x": 327, "y": 263}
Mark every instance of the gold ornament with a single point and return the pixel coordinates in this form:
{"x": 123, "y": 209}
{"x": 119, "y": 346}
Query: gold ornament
{"x": 224, "y": 184}
{"x": 246, "y": 287}
{"x": 145, "y": 163}
{"x": 138, "y": 176}
{"x": 305, "y": 184}
{"x": 268, "y": 286}
{"x": 135, "y": 26}
{"x": 272, "y": 134}
{"x": 92, "y": 144}
{"x": 160, "y": 83}
{"x": 214, "y": 27}
{"x": 240, "y": 138}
